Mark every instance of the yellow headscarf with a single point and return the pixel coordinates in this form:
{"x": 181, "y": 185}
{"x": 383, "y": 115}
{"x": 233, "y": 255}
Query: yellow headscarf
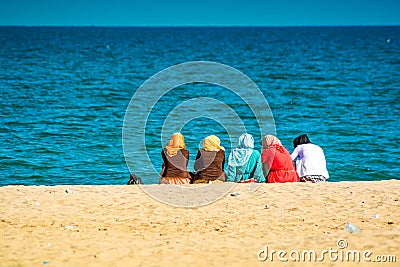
{"x": 176, "y": 142}
{"x": 212, "y": 143}
{"x": 270, "y": 140}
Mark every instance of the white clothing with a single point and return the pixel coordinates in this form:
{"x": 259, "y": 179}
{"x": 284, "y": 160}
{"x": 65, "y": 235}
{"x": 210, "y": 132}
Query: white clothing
{"x": 310, "y": 160}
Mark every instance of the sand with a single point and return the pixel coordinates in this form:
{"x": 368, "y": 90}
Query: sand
{"x": 124, "y": 226}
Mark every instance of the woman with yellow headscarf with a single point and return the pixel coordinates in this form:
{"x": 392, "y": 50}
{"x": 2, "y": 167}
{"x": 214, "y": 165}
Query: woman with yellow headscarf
{"x": 175, "y": 159}
{"x": 210, "y": 161}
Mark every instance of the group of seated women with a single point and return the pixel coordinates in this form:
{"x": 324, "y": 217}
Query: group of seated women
{"x": 245, "y": 164}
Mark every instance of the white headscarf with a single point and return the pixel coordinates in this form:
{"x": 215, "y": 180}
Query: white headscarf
{"x": 241, "y": 155}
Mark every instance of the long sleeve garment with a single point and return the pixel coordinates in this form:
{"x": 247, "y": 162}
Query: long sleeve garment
{"x": 310, "y": 160}
{"x": 251, "y": 169}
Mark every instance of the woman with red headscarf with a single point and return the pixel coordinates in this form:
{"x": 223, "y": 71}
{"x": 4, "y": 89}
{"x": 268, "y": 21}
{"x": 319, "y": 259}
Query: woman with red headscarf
{"x": 277, "y": 164}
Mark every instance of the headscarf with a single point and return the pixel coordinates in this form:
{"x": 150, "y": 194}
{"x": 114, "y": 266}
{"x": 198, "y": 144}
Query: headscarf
{"x": 241, "y": 155}
{"x": 246, "y": 141}
{"x": 176, "y": 142}
{"x": 269, "y": 141}
{"x": 212, "y": 143}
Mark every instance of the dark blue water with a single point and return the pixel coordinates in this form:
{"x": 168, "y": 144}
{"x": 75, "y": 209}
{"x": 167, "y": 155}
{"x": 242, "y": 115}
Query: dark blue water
{"x": 64, "y": 93}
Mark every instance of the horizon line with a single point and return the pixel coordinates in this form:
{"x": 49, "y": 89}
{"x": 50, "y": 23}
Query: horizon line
{"x": 198, "y": 26}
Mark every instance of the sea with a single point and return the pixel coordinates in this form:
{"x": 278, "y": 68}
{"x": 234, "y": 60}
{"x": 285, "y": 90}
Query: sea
{"x": 65, "y": 92}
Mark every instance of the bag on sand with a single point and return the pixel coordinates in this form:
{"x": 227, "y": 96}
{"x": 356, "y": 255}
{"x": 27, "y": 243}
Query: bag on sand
{"x": 133, "y": 179}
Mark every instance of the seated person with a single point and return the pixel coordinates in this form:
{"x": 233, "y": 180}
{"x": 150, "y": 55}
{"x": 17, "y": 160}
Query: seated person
{"x": 277, "y": 164}
{"x": 244, "y": 163}
{"x": 310, "y": 160}
{"x": 210, "y": 160}
{"x": 175, "y": 159}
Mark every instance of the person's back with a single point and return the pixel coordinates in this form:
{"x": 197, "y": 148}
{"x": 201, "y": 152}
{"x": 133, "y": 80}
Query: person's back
{"x": 310, "y": 160}
{"x": 210, "y": 160}
{"x": 210, "y": 165}
{"x": 175, "y": 159}
{"x": 277, "y": 164}
{"x": 313, "y": 154}
{"x": 280, "y": 159}
{"x": 175, "y": 166}
{"x": 244, "y": 163}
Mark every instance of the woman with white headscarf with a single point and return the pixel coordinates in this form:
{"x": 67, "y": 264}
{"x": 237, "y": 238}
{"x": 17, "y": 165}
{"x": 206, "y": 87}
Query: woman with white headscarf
{"x": 244, "y": 163}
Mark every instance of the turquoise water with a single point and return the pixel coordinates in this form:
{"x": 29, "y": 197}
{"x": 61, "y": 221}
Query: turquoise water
{"x": 64, "y": 93}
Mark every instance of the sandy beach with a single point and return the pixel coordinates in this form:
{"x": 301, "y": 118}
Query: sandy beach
{"x": 124, "y": 226}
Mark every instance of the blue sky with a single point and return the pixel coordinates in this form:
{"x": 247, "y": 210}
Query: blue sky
{"x": 198, "y": 13}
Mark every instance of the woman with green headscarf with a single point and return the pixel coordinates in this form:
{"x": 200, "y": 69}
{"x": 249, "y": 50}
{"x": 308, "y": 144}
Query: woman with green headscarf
{"x": 244, "y": 163}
